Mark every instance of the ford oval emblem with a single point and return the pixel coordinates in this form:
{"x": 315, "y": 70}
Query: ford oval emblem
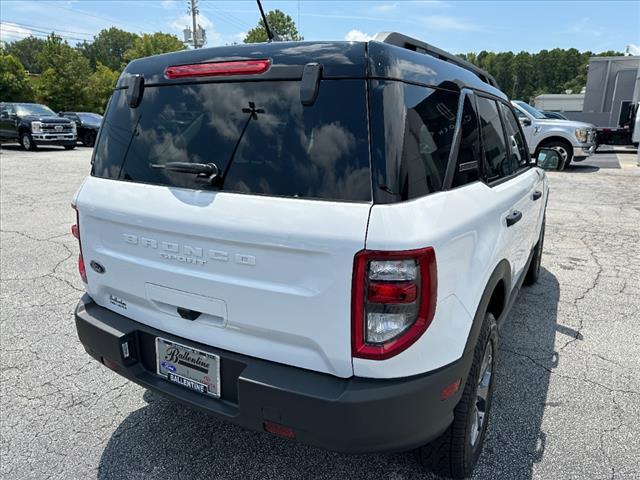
{"x": 96, "y": 267}
{"x": 168, "y": 366}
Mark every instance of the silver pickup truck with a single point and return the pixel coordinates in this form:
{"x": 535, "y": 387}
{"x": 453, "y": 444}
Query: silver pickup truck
{"x": 573, "y": 140}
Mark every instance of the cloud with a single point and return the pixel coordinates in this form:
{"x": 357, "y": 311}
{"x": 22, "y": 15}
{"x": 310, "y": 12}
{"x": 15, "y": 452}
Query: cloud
{"x": 385, "y": 7}
{"x": 357, "y": 36}
{"x": 584, "y": 26}
{"x": 10, "y": 32}
{"x": 169, "y": 4}
{"x": 446, "y": 22}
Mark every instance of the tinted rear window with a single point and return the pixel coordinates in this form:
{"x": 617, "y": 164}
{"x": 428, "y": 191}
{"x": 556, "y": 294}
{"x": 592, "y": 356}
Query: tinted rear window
{"x": 287, "y": 149}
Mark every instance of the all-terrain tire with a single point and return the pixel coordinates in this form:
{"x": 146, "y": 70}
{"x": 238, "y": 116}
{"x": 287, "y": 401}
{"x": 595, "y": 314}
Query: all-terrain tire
{"x": 454, "y": 455}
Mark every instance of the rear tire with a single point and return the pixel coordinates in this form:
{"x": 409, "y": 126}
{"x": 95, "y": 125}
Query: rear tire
{"x": 534, "y": 268}
{"x": 89, "y": 139}
{"x": 26, "y": 140}
{"x": 456, "y": 452}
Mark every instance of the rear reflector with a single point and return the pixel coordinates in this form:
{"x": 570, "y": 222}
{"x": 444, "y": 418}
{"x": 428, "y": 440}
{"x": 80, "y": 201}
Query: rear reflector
{"x": 279, "y": 430}
{"x": 218, "y": 69}
{"x": 450, "y": 390}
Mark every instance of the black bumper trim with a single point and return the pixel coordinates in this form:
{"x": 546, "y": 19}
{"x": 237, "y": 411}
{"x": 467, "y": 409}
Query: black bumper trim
{"x": 347, "y": 415}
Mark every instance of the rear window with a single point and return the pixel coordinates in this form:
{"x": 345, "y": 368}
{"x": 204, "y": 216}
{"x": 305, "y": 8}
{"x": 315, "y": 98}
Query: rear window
{"x": 279, "y": 147}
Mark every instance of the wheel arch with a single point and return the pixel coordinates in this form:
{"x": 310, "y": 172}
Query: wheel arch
{"x": 494, "y": 299}
{"x": 555, "y": 138}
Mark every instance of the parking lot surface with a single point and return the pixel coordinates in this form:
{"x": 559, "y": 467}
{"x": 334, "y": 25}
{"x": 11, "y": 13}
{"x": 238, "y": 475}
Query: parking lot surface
{"x": 567, "y": 399}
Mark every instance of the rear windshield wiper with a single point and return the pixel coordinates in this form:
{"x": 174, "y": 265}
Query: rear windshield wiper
{"x": 209, "y": 170}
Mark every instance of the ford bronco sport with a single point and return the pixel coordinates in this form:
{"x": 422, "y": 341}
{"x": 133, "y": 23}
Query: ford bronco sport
{"x": 314, "y": 239}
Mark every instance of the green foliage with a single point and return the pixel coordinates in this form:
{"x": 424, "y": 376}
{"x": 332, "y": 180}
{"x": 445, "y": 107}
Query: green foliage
{"x": 99, "y": 88}
{"x": 14, "y": 80}
{"x": 280, "y": 23}
{"x": 153, "y": 44}
{"x": 62, "y": 85}
{"x": 27, "y": 51}
{"x": 108, "y": 48}
{"x": 526, "y": 75}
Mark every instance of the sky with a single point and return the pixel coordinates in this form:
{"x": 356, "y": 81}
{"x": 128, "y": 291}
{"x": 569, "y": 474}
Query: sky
{"x": 456, "y": 26}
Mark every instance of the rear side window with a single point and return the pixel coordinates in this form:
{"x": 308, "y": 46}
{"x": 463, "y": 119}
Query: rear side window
{"x": 518, "y": 157}
{"x": 279, "y": 147}
{"x": 495, "y": 151}
{"x": 469, "y": 157}
{"x": 412, "y": 132}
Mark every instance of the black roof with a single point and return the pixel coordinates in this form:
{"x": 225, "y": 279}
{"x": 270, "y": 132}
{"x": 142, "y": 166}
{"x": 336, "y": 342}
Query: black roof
{"x": 373, "y": 59}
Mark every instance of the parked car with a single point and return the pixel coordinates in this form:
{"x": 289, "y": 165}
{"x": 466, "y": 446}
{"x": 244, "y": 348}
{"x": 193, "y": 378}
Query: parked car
{"x": 575, "y": 141}
{"x": 87, "y": 124}
{"x": 322, "y": 251}
{"x": 35, "y": 125}
{"x": 553, "y": 115}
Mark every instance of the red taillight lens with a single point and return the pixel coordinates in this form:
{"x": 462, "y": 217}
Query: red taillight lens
{"x": 393, "y": 300}
{"x": 75, "y": 231}
{"x": 400, "y": 292}
{"x": 218, "y": 69}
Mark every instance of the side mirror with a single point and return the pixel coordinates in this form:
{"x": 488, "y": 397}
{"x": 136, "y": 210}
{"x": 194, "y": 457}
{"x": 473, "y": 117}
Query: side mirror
{"x": 549, "y": 159}
{"x": 525, "y": 122}
{"x": 4, "y": 115}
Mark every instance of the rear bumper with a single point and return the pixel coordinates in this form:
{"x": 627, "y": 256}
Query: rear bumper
{"x": 347, "y": 415}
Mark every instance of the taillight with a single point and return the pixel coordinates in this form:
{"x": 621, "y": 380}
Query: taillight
{"x": 393, "y": 300}
{"x": 218, "y": 69}
{"x": 75, "y": 231}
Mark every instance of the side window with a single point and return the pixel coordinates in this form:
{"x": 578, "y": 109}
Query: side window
{"x": 517, "y": 147}
{"x": 495, "y": 151}
{"x": 469, "y": 158}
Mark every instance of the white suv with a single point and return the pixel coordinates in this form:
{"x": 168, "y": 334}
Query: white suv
{"x": 575, "y": 141}
{"x": 323, "y": 251}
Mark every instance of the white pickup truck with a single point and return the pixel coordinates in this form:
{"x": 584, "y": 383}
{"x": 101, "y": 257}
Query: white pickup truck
{"x": 573, "y": 140}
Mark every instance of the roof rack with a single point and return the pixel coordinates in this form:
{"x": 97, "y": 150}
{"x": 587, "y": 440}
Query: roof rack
{"x": 403, "y": 41}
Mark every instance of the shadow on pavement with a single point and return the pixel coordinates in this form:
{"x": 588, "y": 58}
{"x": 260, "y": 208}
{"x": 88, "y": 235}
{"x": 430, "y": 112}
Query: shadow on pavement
{"x": 578, "y": 168}
{"x": 167, "y": 440}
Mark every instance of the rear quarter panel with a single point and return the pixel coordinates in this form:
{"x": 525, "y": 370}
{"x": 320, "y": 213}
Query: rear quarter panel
{"x": 467, "y": 235}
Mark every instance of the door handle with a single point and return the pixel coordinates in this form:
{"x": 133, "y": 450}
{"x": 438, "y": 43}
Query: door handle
{"x": 514, "y": 217}
{"x": 537, "y": 195}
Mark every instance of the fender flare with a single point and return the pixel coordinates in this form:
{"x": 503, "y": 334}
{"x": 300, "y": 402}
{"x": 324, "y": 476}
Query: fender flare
{"x": 502, "y": 271}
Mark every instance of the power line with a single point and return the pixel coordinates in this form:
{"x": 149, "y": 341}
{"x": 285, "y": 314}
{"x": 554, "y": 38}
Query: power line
{"x": 47, "y": 29}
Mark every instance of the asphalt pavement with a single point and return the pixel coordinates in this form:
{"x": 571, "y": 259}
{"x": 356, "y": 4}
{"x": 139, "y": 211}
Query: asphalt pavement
{"x": 567, "y": 398}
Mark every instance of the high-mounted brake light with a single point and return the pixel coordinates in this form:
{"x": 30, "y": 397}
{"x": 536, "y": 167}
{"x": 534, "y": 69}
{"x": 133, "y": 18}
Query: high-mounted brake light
{"x": 393, "y": 300}
{"x": 218, "y": 69}
{"x": 75, "y": 231}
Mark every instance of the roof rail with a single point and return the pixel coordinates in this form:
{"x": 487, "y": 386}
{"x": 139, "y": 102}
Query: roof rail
{"x": 403, "y": 41}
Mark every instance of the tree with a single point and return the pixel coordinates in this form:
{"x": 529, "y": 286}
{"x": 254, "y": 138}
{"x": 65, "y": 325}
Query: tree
{"x": 108, "y": 48}
{"x": 62, "y": 85}
{"x": 99, "y": 87}
{"x": 27, "y": 51}
{"x": 14, "y": 80}
{"x": 153, "y": 44}
{"x": 280, "y": 23}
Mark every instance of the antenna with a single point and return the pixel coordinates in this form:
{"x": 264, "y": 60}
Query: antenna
{"x": 270, "y": 34}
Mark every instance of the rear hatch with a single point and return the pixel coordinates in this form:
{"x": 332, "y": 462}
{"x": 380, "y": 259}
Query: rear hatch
{"x": 260, "y": 263}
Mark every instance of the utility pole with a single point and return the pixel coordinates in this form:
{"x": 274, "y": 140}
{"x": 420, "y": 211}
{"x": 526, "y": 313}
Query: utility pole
{"x": 197, "y": 35}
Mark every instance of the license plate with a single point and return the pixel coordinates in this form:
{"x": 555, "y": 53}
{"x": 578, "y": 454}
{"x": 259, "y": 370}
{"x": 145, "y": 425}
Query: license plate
{"x": 188, "y": 367}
